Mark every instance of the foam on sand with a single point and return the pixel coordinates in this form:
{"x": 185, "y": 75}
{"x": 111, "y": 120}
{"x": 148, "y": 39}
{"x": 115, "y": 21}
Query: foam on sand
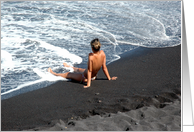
{"x": 45, "y": 76}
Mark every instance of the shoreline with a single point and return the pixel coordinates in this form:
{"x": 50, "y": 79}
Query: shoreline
{"x": 146, "y": 77}
{"x": 25, "y": 89}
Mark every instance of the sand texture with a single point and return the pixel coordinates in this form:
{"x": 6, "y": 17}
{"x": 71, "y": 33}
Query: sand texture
{"x": 146, "y": 96}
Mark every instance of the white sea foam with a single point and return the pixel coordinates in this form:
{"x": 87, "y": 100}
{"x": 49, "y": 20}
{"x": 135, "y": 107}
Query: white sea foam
{"x": 117, "y": 57}
{"x": 47, "y": 76}
{"x": 36, "y": 35}
{"x": 6, "y": 60}
{"x": 62, "y": 52}
{"x": 22, "y": 86}
{"x": 25, "y": 63}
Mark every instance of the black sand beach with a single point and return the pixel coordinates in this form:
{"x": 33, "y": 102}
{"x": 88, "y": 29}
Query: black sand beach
{"x": 146, "y": 96}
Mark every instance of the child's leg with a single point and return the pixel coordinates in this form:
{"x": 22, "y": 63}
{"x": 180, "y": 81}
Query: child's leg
{"x": 68, "y": 75}
{"x": 79, "y": 70}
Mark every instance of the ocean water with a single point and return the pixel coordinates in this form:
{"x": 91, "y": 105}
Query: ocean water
{"x": 36, "y": 35}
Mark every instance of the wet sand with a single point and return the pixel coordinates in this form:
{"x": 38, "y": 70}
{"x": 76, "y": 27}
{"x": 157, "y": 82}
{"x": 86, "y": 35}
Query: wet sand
{"x": 146, "y": 96}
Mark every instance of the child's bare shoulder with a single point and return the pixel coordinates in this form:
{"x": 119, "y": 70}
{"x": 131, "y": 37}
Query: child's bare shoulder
{"x": 90, "y": 54}
{"x": 102, "y": 52}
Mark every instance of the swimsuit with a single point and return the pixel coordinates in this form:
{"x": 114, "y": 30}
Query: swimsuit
{"x": 83, "y": 78}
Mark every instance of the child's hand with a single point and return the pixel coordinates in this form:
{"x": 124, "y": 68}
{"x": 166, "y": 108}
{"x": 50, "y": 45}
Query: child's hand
{"x": 86, "y": 86}
{"x": 114, "y": 78}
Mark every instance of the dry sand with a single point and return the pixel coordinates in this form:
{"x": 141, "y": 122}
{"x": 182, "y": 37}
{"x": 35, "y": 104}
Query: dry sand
{"x": 143, "y": 119}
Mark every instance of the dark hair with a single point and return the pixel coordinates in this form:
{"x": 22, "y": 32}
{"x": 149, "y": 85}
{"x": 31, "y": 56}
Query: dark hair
{"x": 95, "y": 44}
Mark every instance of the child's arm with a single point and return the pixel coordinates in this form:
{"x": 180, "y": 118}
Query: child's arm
{"x": 89, "y": 72}
{"x": 105, "y": 70}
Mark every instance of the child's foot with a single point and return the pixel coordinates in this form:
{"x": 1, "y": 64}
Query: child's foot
{"x": 66, "y": 65}
{"x": 49, "y": 70}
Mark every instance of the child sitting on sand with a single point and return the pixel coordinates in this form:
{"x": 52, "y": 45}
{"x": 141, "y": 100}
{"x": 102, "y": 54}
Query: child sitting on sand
{"x": 96, "y": 60}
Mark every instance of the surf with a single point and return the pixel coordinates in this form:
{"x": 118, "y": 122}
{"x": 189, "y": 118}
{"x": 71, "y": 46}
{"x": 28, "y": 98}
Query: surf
{"x": 37, "y": 35}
